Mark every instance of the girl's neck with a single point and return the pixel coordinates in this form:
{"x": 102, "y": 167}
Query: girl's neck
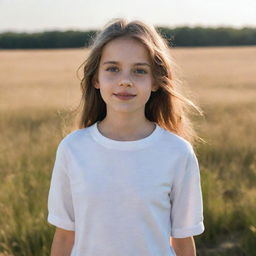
{"x": 126, "y": 130}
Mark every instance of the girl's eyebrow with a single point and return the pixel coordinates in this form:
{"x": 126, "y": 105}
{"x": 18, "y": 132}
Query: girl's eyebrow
{"x": 135, "y": 64}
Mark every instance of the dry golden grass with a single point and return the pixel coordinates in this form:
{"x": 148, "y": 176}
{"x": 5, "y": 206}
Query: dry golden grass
{"x": 36, "y": 83}
{"x": 224, "y": 75}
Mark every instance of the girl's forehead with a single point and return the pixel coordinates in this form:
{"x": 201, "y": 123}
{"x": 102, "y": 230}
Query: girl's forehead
{"x": 122, "y": 49}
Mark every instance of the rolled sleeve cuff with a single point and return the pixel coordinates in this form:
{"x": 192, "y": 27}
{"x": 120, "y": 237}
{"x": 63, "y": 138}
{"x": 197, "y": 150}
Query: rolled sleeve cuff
{"x": 64, "y": 224}
{"x": 187, "y": 232}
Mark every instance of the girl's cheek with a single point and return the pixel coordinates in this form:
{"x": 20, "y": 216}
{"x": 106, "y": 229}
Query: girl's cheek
{"x": 111, "y": 79}
{"x": 109, "y": 75}
{"x": 141, "y": 79}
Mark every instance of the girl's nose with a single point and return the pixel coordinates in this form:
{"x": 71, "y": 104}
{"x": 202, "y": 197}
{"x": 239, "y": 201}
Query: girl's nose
{"x": 125, "y": 82}
{"x": 125, "y": 78}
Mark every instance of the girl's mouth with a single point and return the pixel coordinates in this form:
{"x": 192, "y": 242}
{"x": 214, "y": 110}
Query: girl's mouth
{"x": 124, "y": 97}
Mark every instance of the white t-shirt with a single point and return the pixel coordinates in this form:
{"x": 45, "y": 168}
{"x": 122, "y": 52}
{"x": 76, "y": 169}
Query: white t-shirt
{"x": 125, "y": 198}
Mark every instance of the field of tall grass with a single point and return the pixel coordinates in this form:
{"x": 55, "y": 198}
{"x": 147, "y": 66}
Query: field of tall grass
{"x": 39, "y": 87}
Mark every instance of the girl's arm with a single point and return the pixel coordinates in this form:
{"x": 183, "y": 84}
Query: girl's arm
{"x": 63, "y": 242}
{"x": 184, "y": 246}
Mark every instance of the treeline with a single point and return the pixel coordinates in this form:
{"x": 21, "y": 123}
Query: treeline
{"x": 180, "y": 36}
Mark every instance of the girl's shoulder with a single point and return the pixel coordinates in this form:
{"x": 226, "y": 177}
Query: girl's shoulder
{"x": 176, "y": 142}
{"x": 75, "y": 137}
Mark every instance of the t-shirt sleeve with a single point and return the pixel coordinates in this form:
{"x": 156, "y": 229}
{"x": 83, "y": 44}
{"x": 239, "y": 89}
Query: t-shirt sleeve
{"x": 60, "y": 205}
{"x": 186, "y": 200}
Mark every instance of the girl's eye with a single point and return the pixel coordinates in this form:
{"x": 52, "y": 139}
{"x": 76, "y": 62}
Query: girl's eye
{"x": 141, "y": 71}
{"x": 112, "y": 69}
{"x": 138, "y": 71}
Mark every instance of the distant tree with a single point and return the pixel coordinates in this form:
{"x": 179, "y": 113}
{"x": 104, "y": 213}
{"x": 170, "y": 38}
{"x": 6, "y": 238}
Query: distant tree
{"x": 179, "y": 36}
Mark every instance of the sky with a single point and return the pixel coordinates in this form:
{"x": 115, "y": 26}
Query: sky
{"x": 46, "y": 15}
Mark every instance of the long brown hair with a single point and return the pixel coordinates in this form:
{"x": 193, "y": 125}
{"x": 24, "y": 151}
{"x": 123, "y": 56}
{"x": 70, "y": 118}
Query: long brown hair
{"x": 167, "y": 106}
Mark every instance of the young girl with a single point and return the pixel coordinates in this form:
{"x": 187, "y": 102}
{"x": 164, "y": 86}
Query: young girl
{"x": 127, "y": 183}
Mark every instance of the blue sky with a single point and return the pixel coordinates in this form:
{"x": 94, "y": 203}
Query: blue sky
{"x": 42, "y": 15}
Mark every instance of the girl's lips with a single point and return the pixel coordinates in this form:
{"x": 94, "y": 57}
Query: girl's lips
{"x": 124, "y": 97}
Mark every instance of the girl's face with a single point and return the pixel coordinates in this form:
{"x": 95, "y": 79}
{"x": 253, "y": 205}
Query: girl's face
{"x": 125, "y": 68}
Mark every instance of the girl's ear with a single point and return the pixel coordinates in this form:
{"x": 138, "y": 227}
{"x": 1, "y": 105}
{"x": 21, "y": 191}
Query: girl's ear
{"x": 95, "y": 80}
{"x": 155, "y": 87}
{"x": 96, "y": 83}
